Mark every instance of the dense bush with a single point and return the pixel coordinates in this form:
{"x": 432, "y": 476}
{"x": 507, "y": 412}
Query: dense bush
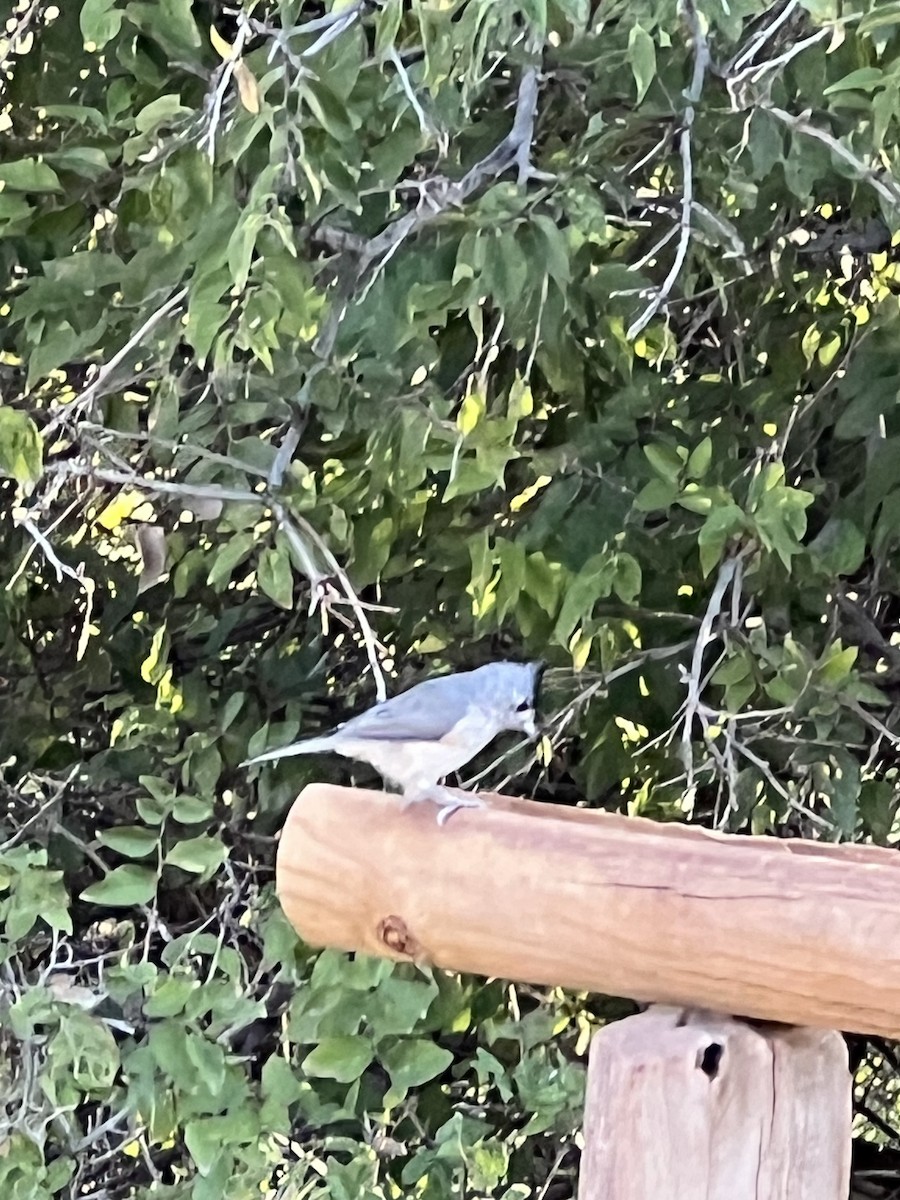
{"x": 345, "y": 344}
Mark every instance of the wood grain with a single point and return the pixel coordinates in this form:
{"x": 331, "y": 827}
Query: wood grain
{"x": 684, "y": 1104}
{"x": 790, "y": 931}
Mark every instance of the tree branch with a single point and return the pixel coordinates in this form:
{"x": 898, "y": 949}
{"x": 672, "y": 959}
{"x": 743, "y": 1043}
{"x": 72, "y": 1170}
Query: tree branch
{"x": 701, "y": 63}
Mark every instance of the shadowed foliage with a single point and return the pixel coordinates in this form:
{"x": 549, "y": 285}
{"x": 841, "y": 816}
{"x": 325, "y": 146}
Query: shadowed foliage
{"x": 346, "y": 343}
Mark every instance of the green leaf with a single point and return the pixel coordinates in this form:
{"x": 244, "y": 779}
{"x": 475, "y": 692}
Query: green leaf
{"x": 844, "y": 790}
{"x": 720, "y": 527}
{"x": 655, "y": 495}
{"x": 235, "y": 550}
{"x": 199, "y": 855}
{"x": 133, "y": 841}
{"x": 189, "y": 810}
{"x": 341, "y": 1058}
{"x": 628, "y": 578}
{"x": 542, "y": 581}
{"x": 593, "y": 582}
{"x": 155, "y": 808}
{"x": 877, "y": 808}
{"x": 837, "y": 664}
{"x": 387, "y": 24}
{"x": 280, "y": 1088}
{"x": 275, "y": 576}
{"x": 170, "y": 996}
{"x": 414, "y": 1061}
{"x": 665, "y": 461}
{"x": 100, "y": 21}
{"x": 398, "y": 1005}
{"x": 231, "y": 711}
{"x": 123, "y": 887}
{"x": 21, "y": 448}
{"x": 839, "y": 547}
{"x": 488, "y": 1163}
{"x": 881, "y": 15}
{"x": 865, "y": 79}
{"x": 780, "y": 520}
{"x": 29, "y": 175}
{"x": 700, "y": 459}
{"x": 204, "y": 1142}
{"x": 642, "y": 59}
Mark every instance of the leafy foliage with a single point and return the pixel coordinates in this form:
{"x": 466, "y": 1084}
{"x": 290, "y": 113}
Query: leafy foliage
{"x": 359, "y": 340}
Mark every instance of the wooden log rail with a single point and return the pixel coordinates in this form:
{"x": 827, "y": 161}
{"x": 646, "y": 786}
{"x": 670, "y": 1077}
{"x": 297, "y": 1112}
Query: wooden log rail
{"x": 791, "y": 931}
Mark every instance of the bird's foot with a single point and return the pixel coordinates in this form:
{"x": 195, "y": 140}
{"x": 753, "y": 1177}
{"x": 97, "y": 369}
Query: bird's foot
{"x": 449, "y": 799}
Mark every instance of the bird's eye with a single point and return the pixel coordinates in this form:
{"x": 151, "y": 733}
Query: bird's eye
{"x": 524, "y": 706}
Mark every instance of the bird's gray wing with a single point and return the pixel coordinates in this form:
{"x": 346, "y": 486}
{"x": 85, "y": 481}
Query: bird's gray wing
{"x": 425, "y": 713}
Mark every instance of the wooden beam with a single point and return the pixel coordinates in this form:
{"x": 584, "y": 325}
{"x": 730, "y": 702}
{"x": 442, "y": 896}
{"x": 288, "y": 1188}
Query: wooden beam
{"x": 684, "y": 1104}
{"x": 791, "y": 931}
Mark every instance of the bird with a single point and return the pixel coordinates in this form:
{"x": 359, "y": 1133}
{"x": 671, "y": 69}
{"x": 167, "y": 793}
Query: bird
{"x": 417, "y": 738}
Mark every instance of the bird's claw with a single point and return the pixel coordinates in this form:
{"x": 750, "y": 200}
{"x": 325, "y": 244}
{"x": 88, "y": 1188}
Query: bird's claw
{"x": 448, "y": 799}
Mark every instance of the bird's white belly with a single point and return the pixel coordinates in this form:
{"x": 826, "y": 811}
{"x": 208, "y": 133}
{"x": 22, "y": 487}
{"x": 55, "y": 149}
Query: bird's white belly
{"x": 417, "y": 764}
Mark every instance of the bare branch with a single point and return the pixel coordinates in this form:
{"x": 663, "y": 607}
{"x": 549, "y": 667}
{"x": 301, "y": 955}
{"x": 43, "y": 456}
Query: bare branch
{"x": 753, "y": 73}
{"x": 322, "y": 592}
{"x": 692, "y": 95}
{"x": 424, "y": 123}
{"x": 768, "y": 31}
{"x": 62, "y": 569}
{"x": 203, "y": 491}
{"x": 97, "y": 435}
{"x": 222, "y": 78}
{"x": 766, "y": 771}
{"x": 82, "y": 402}
{"x": 329, "y": 26}
{"x": 886, "y": 187}
{"x": 353, "y": 600}
{"x": 694, "y": 678}
{"x": 437, "y": 195}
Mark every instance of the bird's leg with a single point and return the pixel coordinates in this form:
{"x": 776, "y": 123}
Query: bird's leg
{"x": 449, "y": 799}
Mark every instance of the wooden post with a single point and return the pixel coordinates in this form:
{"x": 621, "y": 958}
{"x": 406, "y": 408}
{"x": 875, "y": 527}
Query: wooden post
{"x": 683, "y": 1105}
{"x": 789, "y": 931}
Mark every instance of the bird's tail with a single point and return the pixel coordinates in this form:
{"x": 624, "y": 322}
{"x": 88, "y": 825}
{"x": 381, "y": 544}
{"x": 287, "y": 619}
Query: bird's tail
{"x": 310, "y": 746}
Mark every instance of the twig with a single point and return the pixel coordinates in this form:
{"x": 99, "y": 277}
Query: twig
{"x": 330, "y": 26}
{"x": 352, "y": 599}
{"x": 754, "y": 73}
{"x": 728, "y": 231}
{"x": 659, "y": 244}
{"x": 82, "y": 401}
{"x": 60, "y": 568}
{"x": 727, "y": 572}
{"x": 288, "y": 521}
{"x": 26, "y": 557}
{"x": 88, "y": 851}
{"x": 202, "y": 491}
{"x": 97, "y": 433}
{"x": 440, "y": 193}
{"x": 757, "y": 42}
{"x": 522, "y": 134}
{"x": 336, "y": 16}
{"x": 63, "y": 569}
{"x": 222, "y": 75}
{"x": 701, "y": 62}
{"x": 888, "y": 191}
{"x": 291, "y": 439}
{"x": 35, "y": 817}
{"x": 766, "y": 770}
{"x": 872, "y": 721}
{"x": 424, "y": 124}
{"x": 651, "y": 154}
